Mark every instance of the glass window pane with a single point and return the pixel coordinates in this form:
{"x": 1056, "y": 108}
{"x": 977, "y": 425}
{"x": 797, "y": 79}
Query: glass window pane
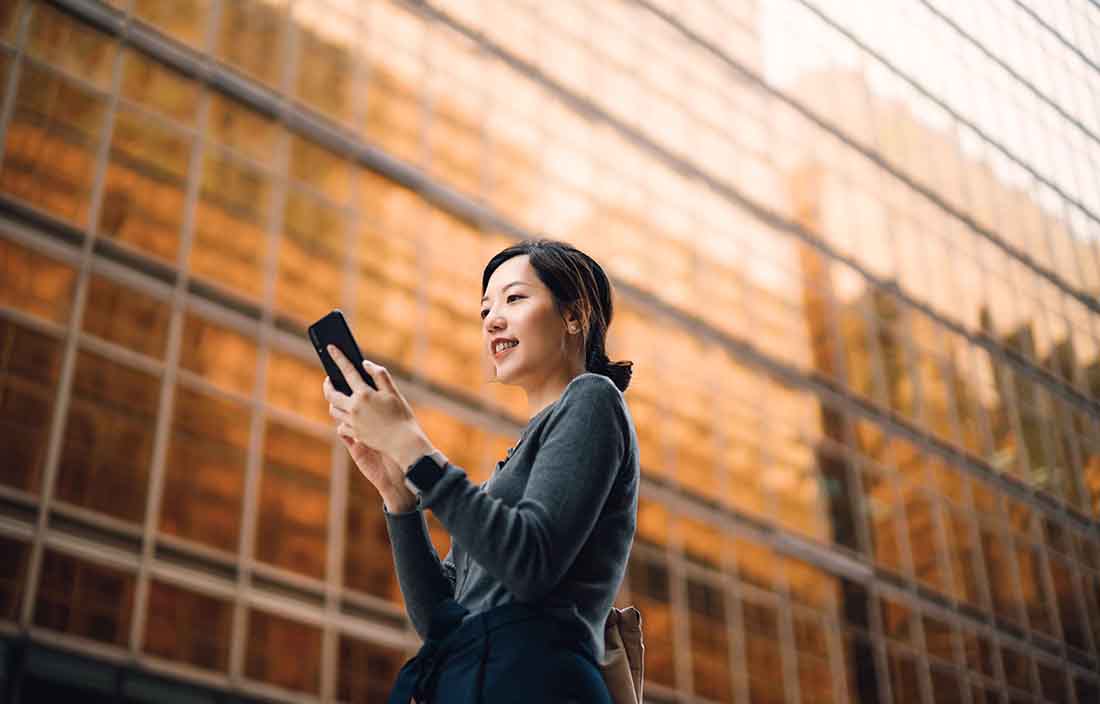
{"x": 13, "y": 576}
{"x": 366, "y": 671}
{"x": 945, "y": 686}
{"x": 251, "y": 36}
{"x": 311, "y": 257}
{"x": 904, "y": 680}
{"x": 10, "y": 12}
{"x": 283, "y": 652}
{"x": 154, "y": 85}
{"x": 710, "y": 662}
{"x": 649, "y": 589}
{"x": 322, "y": 169}
{"x": 185, "y": 20}
{"x": 329, "y": 77}
{"x": 137, "y": 321}
{"x": 188, "y": 627}
{"x": 230, "y": 241}
{"x": 144, "y": 192}
{"x": 223, "y": 356}
{"x": 815, "y": 680}
{"x": 394, "y": 117}
{"x": 108, "y": 441}
{"x": 204, "y": 472}
{"x": 368, "y": 555}
{"x": 34, "y": 283}
{"x": 84, "y": 599}
{"x": 293, "y": 520}
{"x": 295, "y": 386}
{"x": 55, "y": 129}
{"x": 762, "y": 652}
{"x": 30, "y": 367}
{"x": 60, "y": 39}
{"x": 233, "y": 124}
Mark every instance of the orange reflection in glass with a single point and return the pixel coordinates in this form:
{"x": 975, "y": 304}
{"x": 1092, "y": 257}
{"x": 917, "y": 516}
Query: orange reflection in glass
{"x": 292, "y": 527}
{"x": 84, "y": 599}
{"x": 108, "y": 441}
{"x": 28, "y": 383}
{"x": 229, "y": 241}
{"x": 188, "y": 627}
{"x": 185, "y": 20}
{"x": 311, "y": 257}
{"x": 283, "y": 652}
{"x": 126, "y": 317}
{"x": 143, "y": 195}
{"x": 51, "y": 144}
{"x": 35, "y": 283}
{"x": 70, "y": 45}
{"x": 296, "y": 386}
{"x": 223, "y": 356}
{"x": 366, "y": 671}
{"x": 204, "y": 470}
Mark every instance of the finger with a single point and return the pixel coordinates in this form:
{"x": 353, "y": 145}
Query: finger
{"x": 355, "y": 381}
{"x": 345, "y": 429}
{"x": 335, "y": 398}
{"x": 381, "y": 376}
{"x": 337, "y": 413}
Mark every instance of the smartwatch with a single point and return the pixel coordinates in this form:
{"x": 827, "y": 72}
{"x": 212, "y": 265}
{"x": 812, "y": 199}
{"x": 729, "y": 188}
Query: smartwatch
{"x": 422, "y": 475}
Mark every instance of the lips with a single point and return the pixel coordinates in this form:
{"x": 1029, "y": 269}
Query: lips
{"x": 506, "y": 350}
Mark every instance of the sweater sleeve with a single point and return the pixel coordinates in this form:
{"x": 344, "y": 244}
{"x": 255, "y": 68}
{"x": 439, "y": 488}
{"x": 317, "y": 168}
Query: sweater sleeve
{"x": 530, "y": 546}
{"x": 423, "y": 578}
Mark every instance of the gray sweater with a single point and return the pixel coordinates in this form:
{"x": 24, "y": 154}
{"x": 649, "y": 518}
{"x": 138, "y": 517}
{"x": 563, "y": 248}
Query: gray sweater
{"x": 554, "y": 523}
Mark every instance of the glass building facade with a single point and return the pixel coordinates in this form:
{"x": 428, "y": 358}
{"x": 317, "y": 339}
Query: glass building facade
{"x": 856, "y": 251}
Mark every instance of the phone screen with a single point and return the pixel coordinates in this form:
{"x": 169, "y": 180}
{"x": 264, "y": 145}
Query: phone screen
{"x": 333, "y": 330}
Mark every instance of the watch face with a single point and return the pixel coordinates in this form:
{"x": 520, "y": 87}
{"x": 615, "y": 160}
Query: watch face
{"x": 424, "y": 473}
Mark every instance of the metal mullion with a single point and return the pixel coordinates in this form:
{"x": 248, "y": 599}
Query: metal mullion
{"x": 163, "y": 430}
{"x": 117, "y": 353}
{"x": 257, "y": 425}
{"x": 339, "y": 476}
{"x": 69, "y": 353}
{"x": 788, "y": 649}
{"x": 34, "y": 323}
{"x": 730, "y": 593}
{"x": 681, "y": 635}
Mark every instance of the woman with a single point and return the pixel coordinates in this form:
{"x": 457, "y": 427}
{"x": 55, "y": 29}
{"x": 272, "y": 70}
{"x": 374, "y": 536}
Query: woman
{"x": 516, "y": 610}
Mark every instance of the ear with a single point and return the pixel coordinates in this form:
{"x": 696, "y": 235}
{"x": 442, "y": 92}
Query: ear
{"x": 572, "y": 322}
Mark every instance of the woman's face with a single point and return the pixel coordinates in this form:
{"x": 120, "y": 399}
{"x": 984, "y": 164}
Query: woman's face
{"x": 522, "y": 312}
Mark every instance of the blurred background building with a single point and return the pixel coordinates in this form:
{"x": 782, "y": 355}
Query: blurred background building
{"x": 855, "y": 251}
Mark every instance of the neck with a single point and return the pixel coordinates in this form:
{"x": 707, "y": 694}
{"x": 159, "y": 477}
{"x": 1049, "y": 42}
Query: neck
{"x": 550, "y": 388}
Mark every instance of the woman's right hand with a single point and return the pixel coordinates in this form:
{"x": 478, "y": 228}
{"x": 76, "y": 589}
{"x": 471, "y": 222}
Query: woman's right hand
{"x": 381, "y": 471}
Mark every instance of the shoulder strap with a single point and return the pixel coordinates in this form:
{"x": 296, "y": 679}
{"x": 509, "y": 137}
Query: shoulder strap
{"x": 623, "y": 665}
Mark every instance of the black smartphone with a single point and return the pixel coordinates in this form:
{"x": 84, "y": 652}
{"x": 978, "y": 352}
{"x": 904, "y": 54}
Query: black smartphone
{"x": 333, "y": 330}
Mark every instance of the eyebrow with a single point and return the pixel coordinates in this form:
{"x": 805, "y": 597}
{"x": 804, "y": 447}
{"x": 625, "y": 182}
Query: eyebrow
{"x": 505, "y": 287}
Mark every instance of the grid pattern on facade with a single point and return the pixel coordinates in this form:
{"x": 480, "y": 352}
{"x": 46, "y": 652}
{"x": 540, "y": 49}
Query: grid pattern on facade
{"x": 862, "y": 306}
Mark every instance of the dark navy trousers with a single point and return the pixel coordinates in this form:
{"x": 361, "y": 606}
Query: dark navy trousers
{"x": 512, "y": 653}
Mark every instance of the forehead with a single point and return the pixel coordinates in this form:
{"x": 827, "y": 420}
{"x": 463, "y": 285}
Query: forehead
{"x": 514, "y": 269}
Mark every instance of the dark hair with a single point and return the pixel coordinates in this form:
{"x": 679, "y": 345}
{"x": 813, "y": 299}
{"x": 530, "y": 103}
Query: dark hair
{"x": 578, "y": 283}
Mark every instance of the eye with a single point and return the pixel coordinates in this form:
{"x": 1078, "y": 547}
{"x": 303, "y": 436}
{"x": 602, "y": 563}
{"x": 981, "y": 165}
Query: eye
{"x": 485, "y": 312}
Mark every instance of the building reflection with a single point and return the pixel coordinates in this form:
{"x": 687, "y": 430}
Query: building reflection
{"x": 867, "y": 386}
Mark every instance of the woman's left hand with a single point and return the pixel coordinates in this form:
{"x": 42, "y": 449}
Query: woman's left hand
{"x": 381, "y": 419}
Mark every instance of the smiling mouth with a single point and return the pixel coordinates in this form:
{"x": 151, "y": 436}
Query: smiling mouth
{"x": 506, "y": 350}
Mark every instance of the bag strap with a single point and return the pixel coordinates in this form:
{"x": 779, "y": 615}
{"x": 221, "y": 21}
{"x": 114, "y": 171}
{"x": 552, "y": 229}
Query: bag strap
{"x": 624, "y": 659}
